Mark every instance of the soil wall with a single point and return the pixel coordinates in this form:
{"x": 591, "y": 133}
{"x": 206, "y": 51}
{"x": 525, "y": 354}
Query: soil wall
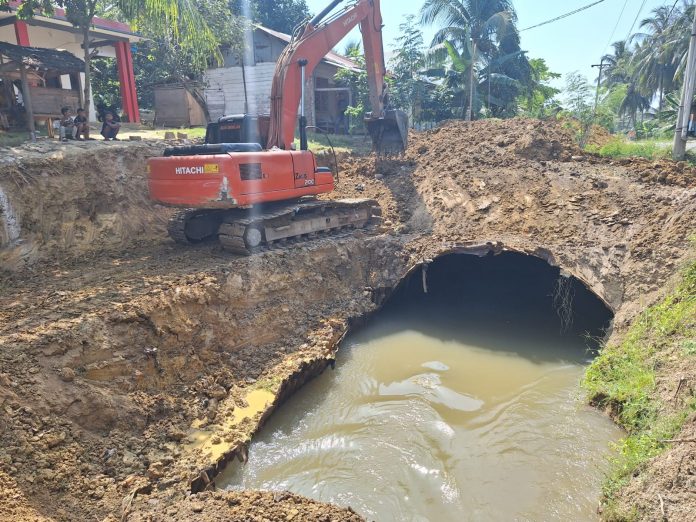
{"x": 71, "y": 201}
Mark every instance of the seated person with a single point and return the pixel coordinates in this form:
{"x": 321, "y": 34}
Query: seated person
{"x": 110, "y": 127}
{"x": 81, "y": 125}
{"x": 67, "y": 126}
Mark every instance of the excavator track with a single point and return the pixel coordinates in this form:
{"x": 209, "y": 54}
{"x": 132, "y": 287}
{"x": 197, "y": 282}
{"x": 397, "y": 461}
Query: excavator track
{"x": 300, "y": 221}
{"x": 192, "y": 225}
{"x": 247, "y": 231}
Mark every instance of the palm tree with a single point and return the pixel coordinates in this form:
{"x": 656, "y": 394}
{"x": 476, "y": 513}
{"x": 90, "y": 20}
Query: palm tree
{"x": 453, "y": 67}
{"x": 633, "y": 103}
{"x": 617, "y": 66}
{"x": 480, "y": 31}
{"x": 661, "y": 49}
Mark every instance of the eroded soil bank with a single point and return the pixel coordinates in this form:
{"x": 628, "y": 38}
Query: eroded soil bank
{"x": 123, "y": 358}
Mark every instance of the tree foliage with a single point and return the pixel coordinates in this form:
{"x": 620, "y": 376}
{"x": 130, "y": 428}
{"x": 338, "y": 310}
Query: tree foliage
{"x": 477, "y": 45}
{"x": 649, "y": 65}
{"x": 410, "y": 88}
{"x": 279, "y": 15}
{"x": 356, "y": 81}
{"x": 538, "y": 98}
{"x": 160, "y": 59}
{"x": 578, "y": 102}
{"x": 177, "y": 20}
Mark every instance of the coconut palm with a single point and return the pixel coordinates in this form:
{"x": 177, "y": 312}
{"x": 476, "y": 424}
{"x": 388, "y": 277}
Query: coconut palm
{"x": 617, "y": 66}
{"x": 481, "y": 31}
{"x": 661, "y": 49}
{"x": 633, "y": 103}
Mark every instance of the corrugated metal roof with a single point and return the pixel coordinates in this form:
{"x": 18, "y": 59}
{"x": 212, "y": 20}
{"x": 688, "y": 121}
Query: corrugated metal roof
{"x": 97, "y": 22}
{"x": 42, "y": 59}
{"x": 331, "y": 57}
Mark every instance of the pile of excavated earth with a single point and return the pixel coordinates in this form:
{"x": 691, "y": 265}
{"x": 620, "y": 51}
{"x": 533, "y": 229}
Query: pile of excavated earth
{"x": 133, "y": 369}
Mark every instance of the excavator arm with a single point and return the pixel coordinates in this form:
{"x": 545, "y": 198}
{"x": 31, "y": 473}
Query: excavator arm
{"x": 388, "y": 128}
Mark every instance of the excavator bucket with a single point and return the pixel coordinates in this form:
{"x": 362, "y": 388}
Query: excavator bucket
{"x": 389, "y": 133}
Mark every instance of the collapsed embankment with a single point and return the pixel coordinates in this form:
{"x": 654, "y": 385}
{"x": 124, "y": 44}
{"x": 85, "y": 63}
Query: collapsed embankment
{"x": 120, "y": 372}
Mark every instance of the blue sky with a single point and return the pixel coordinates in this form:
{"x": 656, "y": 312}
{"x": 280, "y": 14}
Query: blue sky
{"x": 571, "y": 44}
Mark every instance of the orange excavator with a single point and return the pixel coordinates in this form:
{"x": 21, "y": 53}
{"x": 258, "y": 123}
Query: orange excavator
{"x": 247, "y": 184}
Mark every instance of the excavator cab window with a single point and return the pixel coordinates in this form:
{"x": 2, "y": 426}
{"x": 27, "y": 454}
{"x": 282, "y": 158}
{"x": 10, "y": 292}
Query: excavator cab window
{"x": 240, "y": 128}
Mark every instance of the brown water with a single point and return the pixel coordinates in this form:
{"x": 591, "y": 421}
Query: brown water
{"x": 447, "y": 427}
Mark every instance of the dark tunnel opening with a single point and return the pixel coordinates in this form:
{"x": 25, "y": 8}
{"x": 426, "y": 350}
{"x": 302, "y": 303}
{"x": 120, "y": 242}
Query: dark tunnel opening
{"x": 500, "y": 301}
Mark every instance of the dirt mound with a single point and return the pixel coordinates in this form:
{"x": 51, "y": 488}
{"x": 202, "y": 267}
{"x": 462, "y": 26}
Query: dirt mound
{"x": 495, "y": 142}
{"x": 662, "y": 171}
{"x": 75, "y": 201}
{"x": 599, "y": 136}
{"x": 246, "y": 506}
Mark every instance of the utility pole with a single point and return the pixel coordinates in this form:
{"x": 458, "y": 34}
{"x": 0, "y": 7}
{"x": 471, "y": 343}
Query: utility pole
{"x": 470, "y": 111}
{"x": 599, "y": 79}
{"x": 682, "y": 126}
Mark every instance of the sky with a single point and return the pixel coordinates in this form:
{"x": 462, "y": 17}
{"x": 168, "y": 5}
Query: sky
{"x": 571, "y": 44}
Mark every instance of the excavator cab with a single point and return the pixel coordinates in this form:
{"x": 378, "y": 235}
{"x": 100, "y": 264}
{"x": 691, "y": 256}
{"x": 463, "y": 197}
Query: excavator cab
{"x": 389, "y": 133}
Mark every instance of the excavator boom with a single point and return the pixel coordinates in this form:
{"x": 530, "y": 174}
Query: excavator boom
{"x": 387, "y": 127}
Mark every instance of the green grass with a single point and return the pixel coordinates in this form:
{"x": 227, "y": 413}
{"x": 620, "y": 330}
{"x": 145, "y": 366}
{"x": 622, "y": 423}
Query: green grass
{"x": 341, "y": 142}
{"x": 620, "y": 148}
{"x": 317, "y": 142}
{"x": 623, "y": 379}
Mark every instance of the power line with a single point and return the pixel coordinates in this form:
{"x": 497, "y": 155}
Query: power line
{"x": 628, "y": 35}
{"x": 617, "y": 24}
{"x": 563, "y": 16}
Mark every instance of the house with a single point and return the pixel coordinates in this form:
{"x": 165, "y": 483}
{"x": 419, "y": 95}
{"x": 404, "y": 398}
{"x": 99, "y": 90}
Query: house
{"x": 30, "y": 80}
{"x": 241, "y": 86}
{"x": 109, "y": 39}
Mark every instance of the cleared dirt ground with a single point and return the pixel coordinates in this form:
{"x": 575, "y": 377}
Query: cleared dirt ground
{"x": 132, "y": 369}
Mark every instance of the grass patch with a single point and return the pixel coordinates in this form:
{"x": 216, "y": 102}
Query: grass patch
{"x": 620, "y": 148}
{"x": 689, "y": 347}
{"x": 318, "y": 143}
{"x": 622, "y": 378}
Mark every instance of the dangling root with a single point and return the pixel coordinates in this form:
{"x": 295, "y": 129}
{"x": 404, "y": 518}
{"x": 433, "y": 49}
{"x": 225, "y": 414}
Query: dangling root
{"x": 563, "y": 294}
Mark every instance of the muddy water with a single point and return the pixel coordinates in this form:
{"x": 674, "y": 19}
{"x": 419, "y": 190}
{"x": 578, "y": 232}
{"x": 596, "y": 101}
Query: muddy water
{"x": 449, "y": 422}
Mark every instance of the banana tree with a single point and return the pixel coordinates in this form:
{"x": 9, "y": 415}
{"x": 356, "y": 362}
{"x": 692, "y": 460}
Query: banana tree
{"x": 478, "y": 30}
{"x": 456, "y": 70}
{"x": 461, "y": 75}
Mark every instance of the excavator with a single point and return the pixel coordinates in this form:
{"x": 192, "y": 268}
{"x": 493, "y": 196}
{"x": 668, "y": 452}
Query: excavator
{"x": 247, "y": 184}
